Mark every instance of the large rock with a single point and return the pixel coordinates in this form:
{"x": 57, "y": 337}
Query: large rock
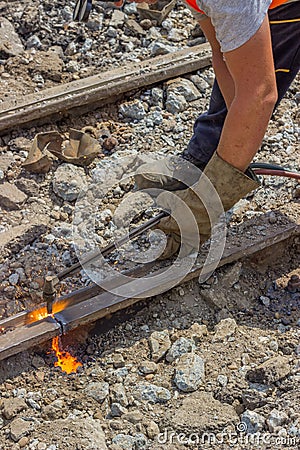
{"x": 48, "y": 64}
{"x": 131, "y": 206}
{"x": 117, "y": 19}
{"x": 175, "y": 103}
{"x": 10, "y": 43}
{"x": 20, "y": 428}
{"x": 30, "y": 187}
{"x": 54, "y": 410}
{"x": 124, "y": 441}
{"x": 97, "y": 390}
{"x": 272, "y": 370}
{"x": 133, "y": 110}
{"x": 148, "y": 367}
{"x": 69, "y": 181}
{"x": 224, "y": 329}
{"x": 276, "y": 419}
{"x": 160, "y": 343}
{"x": 253, "y": 398}
{"x": 11, "y": 197}
{"x": 180, "y": 91}
{"x": 17, "y": 237}
{"x": 200, "y": 412}
{"x": 118, "y": 394}
{"x": 151, "y": 393}
{"x": 6, "y": 161}
{"x": 252, "y": 421}
{"x": 160, "y": 48}
{"x": 179, "y": 348}
{"x": 189, "y": 372}
{"x": 11, "y": 407}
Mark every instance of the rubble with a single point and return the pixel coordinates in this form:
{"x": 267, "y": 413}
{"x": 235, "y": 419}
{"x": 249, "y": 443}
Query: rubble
{"x": 11, "y": 197}
{"x": 270, "y": 371}
{"x": 19, "y": 428}
{"x": 10, "y": 43}
{"x": 189, "y": 372}
{"x": 159, "y": 343}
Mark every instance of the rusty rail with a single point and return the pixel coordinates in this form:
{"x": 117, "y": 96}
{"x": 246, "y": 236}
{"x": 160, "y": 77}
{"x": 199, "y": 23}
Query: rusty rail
{"x": 94, "y": 91}
{"x": 90, "y": 304}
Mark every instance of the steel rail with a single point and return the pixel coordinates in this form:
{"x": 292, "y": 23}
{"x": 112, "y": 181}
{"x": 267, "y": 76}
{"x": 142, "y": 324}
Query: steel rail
{"x": 87, "y": 306}
{"x": 92, "y": 92}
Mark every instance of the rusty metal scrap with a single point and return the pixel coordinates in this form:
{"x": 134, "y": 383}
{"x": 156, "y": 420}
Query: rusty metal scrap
{"x": 39, "y": 159}
{"x": 80, "y": 149}
{"x": 158, "y": 11}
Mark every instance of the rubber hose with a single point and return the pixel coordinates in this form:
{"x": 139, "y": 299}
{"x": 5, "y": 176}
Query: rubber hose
{"x": 262, "y": 165}
{"x": 277, "y": 172}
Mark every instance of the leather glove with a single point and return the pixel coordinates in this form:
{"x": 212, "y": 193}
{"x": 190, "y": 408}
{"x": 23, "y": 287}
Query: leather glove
{"x": 218, "y": 189}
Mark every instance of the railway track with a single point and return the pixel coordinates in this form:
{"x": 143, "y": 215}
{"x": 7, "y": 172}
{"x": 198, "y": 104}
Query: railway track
{"x": 91, "y": 92}
{"x": 87, "y": 305}
{"x": 31, "y": 328}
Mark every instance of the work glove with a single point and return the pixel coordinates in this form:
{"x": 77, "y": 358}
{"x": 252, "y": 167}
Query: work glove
{"x": 196, "y": 209}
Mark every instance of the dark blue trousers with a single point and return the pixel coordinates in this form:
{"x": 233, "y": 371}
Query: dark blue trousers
{"x": 286, "y": 51}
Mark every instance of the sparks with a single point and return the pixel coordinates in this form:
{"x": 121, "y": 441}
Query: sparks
{"x": 65, "y": 360}
{"x": 36, "y": 315}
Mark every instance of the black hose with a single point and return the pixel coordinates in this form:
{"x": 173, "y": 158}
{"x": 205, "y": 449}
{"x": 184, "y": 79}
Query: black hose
{"x": 261, "y": 165}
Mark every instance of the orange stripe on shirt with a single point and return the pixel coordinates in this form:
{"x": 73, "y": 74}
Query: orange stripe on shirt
{"x": 276, "y": 3}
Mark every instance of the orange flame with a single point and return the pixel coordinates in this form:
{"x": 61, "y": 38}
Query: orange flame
{"x": 36, "y": 315}
{"x": 41, "y": 313}
{"x": 65, "y": 361}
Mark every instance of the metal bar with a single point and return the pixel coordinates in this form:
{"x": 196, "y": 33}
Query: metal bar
{"x": 108, "y": 303}
{"x": 22, "y": 338}
{"x": 113, "y": 246}
{"x": 91, "y": 309}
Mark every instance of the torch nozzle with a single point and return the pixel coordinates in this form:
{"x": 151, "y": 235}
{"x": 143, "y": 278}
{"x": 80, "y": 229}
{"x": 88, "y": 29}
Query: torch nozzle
{"x": 49, "y": 292}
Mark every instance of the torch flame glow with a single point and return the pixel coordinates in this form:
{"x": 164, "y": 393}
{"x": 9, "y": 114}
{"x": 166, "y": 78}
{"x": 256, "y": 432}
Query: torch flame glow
{"x": 65, "y": 360}
{"x": 41, "y": 313}
{"x": 36, "y": 315}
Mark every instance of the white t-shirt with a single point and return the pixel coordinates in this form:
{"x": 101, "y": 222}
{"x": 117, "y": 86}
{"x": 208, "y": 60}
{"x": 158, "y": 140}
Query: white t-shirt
{"x": 235, "y": 21}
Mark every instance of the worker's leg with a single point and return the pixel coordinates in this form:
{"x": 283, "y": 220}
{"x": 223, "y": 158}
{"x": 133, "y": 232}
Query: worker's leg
{"x": 285, "y": 31}
{"x": 208, "y": 128}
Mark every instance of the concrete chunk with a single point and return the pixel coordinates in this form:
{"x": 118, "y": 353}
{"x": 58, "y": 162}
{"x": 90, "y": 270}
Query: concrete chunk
{"x": 10, "y": 43}
{"x": 11, "y": 197}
